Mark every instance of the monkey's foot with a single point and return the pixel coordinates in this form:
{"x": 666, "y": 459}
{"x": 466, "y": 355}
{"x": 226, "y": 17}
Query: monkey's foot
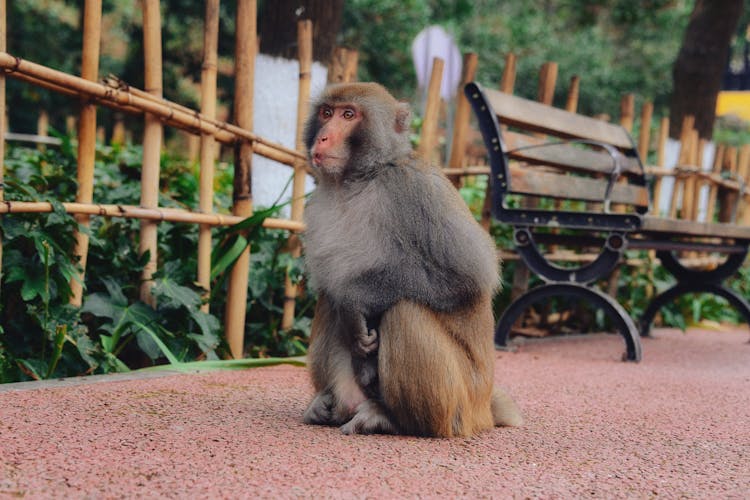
{"x": 369, "y": 419}
{"x": 505, "y": 411}
{"x": 321, "y": 410}
{"x": 366, "y": 342}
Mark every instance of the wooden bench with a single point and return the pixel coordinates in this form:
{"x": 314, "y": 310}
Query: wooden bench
{"x": 564, "y": 179}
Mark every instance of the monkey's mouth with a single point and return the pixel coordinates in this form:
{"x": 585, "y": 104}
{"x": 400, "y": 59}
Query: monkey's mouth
{"x": 323, "y": 161}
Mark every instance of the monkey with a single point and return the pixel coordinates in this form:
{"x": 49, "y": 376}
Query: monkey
{"x": 401, "y": 338}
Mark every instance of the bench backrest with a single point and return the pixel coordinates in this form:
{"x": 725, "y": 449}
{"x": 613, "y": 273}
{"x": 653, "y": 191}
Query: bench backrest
{"x": 545, "y": 152}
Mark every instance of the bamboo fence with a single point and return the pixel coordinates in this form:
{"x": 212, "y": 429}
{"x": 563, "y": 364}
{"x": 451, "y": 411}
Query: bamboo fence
{"x": 157, "y": 112}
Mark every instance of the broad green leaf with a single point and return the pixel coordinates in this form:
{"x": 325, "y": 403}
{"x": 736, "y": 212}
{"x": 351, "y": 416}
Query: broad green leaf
{"x": 228, "y": 364}
{"x": 34, "y": 367}
{"x": 101, "y": 306}
{"x": 115, "y": 292}
{"x": 164, "y": 349}
{"x": 147, "y": 344}
{"x": 172, "y": 296}
{"x": 33, "y": 286}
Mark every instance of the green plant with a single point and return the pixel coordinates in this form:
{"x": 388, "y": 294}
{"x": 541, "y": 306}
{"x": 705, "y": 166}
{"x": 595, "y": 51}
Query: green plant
{"x": 42, "y": 336}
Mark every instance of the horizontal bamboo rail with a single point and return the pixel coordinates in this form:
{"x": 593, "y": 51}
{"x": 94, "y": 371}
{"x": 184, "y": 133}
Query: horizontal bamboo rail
{"x": 135, "y": 212}
{"x": 124, "y": 99}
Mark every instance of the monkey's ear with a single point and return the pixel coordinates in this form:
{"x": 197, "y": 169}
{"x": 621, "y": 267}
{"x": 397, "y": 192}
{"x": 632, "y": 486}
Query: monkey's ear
{"x": 403, "y": 117}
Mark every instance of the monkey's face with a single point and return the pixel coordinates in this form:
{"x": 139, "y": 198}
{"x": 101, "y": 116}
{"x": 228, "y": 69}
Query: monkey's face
{"x": 331, "y": 146}
{"x": 354, "y": 128}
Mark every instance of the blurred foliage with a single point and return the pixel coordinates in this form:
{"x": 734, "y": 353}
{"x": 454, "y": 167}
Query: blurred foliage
{"x": 732, "y": 130}
{"x": 614, "y": 46}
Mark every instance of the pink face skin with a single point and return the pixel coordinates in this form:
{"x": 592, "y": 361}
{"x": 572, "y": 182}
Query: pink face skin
{"x": 330, "y": 152}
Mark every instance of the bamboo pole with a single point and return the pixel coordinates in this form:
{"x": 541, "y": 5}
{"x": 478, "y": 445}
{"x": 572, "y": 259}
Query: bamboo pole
{"x": 627, "y": 111}
{"x": 126, "y": 99}
{"x": 42, "y": 124}
{"x": 627, "y": 118}
{"x": 644, "y": 136}
{"x": 350, "y": 68}
{"x": 571, "y": 103}
{"x": 428, "y": 137}
{"x": 343, "y": 65}
{"x": 679, "y": 180}
{"x": 207, "y": 143}
{"x": 714, "y": 189}
{"x": 727, "y": 201}
{"x": 547, "y": 82}
{"x": 462, "y": 115}
{"x": 305, "y": 46}
{"x": 661, "y": 151}
{"x": 744, "y": 172}
{"x": 159, "y": 214}
{"x": 508, "y": 80}
{"x": 699, "y": 146}
{"x": 336, "y": 71}
{"x": 3, "y": 124}
{"x": 152, "y": 137}
{"x": 688, "y": 186}
{"x": 92, "y": 23}
{"x": 118, "y": 131}
{"x": 245, "y": 48}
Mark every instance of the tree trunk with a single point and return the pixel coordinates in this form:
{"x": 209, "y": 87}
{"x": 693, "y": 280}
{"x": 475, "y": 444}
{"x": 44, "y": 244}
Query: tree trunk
{"x": 700, "y": 64}
{"x": 278, "y": 26}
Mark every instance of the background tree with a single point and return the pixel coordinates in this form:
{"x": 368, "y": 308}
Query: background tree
{"x": 277, "y": 21}
{"x": 701, "y": 62}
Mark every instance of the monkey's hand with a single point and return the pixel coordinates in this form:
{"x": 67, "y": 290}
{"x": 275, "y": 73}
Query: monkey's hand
{"x": 366, "y": 342}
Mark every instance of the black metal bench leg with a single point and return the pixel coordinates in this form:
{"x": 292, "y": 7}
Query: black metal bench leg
{"x": 596, "y": 298}
{"x": 734, "y": 298}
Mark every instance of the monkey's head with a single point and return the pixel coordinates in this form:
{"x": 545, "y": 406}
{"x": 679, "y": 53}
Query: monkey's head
{"x": 354, "y": 127}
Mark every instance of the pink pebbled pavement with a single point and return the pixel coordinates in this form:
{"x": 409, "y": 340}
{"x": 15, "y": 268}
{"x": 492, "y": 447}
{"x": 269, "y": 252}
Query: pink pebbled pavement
{"x": 675, "y": 425}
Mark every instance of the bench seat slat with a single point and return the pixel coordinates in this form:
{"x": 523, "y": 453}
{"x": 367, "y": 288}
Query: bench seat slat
{"x": 539, "y": 117}
{"x": 681, "y": 227}
{"x": 538, "y": 183}
{"x": 565, "y": 156}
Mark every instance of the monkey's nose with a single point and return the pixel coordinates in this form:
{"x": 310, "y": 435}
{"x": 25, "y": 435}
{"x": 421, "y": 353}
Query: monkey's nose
{"x": 323, "y": 138}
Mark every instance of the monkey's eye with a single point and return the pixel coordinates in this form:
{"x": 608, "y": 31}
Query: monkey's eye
{"x": 325, "y": 112}
{"x": 349, "y": 114}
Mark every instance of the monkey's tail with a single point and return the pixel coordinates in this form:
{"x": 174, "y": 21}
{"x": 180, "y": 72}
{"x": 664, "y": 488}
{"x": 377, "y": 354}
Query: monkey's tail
{"x": 505, "y": 411}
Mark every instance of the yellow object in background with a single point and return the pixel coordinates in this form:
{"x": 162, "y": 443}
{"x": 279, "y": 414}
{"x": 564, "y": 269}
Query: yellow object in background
{"x": 734, "y": 102}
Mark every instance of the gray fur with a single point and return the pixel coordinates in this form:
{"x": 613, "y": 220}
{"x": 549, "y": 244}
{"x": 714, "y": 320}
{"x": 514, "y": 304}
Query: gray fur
{"x": 397, "y": 235}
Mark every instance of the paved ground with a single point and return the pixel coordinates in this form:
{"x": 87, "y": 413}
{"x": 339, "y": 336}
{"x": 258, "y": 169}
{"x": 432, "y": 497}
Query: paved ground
{"x": 675, "y": 425}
